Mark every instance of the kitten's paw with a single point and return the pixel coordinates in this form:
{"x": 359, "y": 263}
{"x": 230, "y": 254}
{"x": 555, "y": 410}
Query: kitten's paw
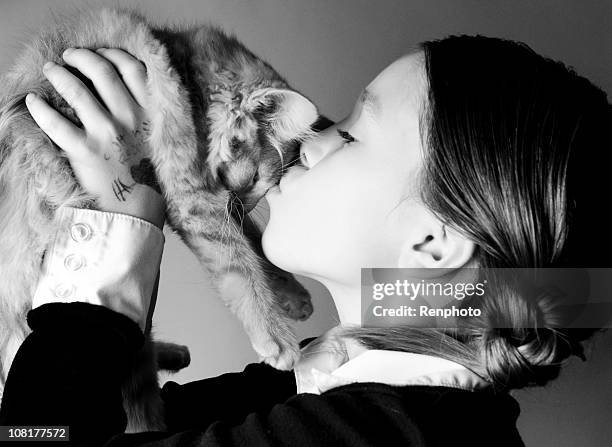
{"x": 279, "y": 348}
{"x": 296, "y": 307}
{"x": 172, "y": 357}
{"x": 292, "y": 297}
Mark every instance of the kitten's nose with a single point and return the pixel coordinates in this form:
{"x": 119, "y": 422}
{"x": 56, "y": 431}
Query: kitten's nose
{"x": 239, "y": 176}
{"x": 247, "y": 184}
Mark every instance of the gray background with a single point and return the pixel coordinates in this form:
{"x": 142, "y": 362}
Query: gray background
{"x": 330, "y": 49}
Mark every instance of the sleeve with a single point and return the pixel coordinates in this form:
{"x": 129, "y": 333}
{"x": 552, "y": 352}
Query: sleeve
{"x": 229, "y": 397}
{"x": 69, "y": 371}
{"x": 103, "y": 258}
{"x": 89, "y": 311}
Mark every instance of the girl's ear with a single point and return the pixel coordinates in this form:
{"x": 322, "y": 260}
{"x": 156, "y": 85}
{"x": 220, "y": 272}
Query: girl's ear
{"x": 431, "y": 244}
{"x": 288, "y": 114}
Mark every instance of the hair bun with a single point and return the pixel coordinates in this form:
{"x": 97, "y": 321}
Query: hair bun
{"x": 512, "y": 364}
{"x": 523, "y": 341}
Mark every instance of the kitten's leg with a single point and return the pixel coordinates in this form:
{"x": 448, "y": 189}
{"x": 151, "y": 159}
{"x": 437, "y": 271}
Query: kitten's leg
{"x": 267, "y": 326}
{"x": 171, "y": 357}
{"x": 291, "y": 296}
{"x": 218, "y": 242}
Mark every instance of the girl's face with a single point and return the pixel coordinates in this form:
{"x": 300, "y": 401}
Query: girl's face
{"x": 351, "y": 204}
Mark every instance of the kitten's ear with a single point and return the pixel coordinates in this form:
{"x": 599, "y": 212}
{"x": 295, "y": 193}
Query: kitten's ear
{"x": 288, "y": 114}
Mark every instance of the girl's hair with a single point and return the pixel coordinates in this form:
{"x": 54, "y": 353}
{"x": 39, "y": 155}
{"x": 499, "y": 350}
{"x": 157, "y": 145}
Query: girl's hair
{"x": 517, "y": 152}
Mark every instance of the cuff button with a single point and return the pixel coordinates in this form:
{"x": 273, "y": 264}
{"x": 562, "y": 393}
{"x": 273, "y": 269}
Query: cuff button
{"x": 62, "y": 290}
{"x": 80, "y": 232}
{"x": 74, "y": 262}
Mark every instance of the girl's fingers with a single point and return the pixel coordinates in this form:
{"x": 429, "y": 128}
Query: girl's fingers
{"x": 105, "y": 79}
{"x": 132, "y": 71}
{"x": 77, "y": 95}
{"x": 61, "y": 131}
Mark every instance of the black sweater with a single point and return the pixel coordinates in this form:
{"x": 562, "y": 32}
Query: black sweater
{"x": 69, "y": 372}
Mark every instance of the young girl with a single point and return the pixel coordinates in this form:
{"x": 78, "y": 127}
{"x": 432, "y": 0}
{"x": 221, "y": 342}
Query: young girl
{"x": 471, "y": 152}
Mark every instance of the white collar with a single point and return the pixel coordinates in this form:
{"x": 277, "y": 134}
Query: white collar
{"x": 323, "y": 366}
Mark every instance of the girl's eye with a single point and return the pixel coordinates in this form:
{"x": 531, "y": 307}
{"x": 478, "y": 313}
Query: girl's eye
{"x": 347, "y": 137}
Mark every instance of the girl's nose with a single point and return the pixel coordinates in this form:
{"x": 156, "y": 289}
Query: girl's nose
{"x": 317, "y": 148}
{"x": 312, "y": 151}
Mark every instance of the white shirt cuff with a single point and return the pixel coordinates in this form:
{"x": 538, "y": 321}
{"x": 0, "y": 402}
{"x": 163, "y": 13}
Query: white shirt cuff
{"x": 103, "y": 258}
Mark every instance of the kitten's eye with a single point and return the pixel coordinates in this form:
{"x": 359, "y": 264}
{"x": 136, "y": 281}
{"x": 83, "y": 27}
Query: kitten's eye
{"x": 347, "y": 137}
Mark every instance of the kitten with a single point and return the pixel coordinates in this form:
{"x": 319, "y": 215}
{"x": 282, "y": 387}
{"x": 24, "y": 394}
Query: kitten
{"x": 223, "y": 126}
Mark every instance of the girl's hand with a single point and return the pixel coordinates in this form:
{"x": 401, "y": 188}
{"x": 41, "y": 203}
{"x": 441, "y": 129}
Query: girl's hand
{"x": 109, "y": 155}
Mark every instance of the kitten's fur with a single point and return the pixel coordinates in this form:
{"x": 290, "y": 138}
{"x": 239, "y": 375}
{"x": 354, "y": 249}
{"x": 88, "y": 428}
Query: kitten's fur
{"x": 218, "y": 114}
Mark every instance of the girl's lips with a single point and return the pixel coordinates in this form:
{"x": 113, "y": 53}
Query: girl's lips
{"x": 291, "y": 175}
{"x": 272, "y": 190}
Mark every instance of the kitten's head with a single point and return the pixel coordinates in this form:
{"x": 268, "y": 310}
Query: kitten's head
{"x": 255, "y": 138}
